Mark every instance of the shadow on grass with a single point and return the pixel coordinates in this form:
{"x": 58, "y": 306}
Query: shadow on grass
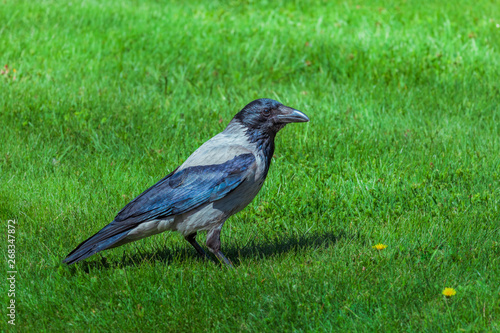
{"x": 255, "y": 249}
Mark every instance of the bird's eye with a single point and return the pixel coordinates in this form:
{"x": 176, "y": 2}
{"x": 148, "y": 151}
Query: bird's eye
{"x": 266, "y": 112}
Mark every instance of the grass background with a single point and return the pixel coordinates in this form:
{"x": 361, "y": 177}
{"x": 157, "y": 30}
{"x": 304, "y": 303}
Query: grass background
{"x": 403, "y": 148}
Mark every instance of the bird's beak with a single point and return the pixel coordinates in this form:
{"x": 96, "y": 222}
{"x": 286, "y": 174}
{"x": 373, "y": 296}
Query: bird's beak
{"x": 289, "y": 115}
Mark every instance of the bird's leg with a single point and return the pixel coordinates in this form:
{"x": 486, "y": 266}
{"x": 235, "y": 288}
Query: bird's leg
{"x": 191, "y": 238}
{"x": 213, "y": 244}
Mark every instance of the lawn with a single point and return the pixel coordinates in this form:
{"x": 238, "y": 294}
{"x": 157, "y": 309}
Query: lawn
{"x": 101, "y": 99}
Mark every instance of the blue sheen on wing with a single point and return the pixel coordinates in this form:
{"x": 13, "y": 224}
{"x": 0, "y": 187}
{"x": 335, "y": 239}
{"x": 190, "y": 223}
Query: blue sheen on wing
{"x": 187, "y": 189}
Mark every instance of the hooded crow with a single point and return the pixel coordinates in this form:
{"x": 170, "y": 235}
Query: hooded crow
{"x": 218, "y": 180}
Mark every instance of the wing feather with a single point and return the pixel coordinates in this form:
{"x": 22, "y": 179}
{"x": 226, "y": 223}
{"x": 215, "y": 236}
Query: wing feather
{"x": 187, "y": 189}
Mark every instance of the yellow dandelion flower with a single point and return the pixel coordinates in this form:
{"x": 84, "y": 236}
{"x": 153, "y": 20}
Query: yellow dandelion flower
{"x": 14, "y": 70}
{"x": 448, "y": 292}
{"x": 379, "y": 246}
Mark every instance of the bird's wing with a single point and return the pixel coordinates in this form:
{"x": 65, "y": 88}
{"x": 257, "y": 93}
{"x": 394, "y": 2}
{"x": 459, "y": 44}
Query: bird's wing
{"x": 187, "y": 189}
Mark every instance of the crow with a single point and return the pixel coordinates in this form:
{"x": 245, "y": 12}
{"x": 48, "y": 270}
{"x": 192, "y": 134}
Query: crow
{"x": 218, "y": 180}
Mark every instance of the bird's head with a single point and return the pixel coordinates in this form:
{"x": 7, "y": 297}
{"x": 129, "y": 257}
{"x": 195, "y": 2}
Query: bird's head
{"x": 268, "y": 116}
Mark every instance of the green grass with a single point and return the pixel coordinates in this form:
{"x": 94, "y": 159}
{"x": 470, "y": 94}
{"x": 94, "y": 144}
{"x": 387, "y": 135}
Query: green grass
{"x": 403, "y": 148}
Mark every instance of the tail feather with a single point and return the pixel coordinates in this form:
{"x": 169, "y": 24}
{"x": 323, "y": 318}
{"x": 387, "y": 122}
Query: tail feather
{"x": 106, "y": 238}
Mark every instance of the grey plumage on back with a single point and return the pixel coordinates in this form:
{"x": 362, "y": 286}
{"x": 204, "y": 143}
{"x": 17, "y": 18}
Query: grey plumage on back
{"x": 218, "y": 180}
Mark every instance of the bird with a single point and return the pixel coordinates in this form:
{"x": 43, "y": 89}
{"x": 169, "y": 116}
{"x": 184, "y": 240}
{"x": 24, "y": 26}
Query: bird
{"x": 215, "y": 182}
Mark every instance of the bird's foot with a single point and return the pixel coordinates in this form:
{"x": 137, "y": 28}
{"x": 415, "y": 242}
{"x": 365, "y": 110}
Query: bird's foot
{"x": 192, "y": 240}
{"x": 223, "y": 259}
